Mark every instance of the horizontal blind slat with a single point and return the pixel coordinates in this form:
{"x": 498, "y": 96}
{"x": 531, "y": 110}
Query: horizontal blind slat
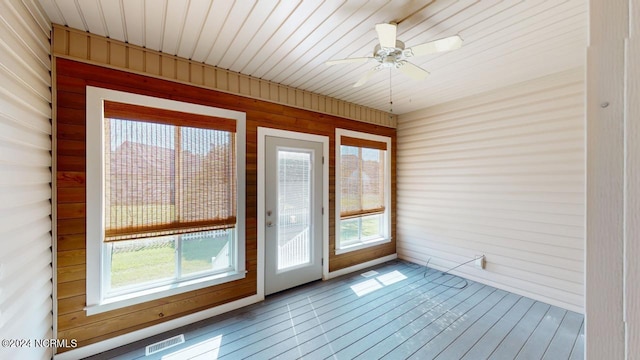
{"x": 354, "y": 214}
{"x": 363, "y": 143}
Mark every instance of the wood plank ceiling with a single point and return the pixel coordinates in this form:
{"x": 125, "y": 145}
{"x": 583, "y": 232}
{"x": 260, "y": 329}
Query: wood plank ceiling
{"x": 288, "y": 41}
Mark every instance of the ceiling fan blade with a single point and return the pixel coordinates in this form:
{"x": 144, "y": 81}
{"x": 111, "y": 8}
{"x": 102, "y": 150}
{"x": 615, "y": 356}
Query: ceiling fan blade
{"x": 445, "y": 44}
{"x": 366, "y": 77}
{"x": 413, "y": 71}
{"x": 348, "y": 61}
{"x": 387, "y": 35}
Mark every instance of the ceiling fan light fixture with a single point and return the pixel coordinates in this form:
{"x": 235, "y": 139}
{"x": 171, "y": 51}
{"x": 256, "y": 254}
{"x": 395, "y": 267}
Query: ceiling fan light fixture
{"x": 390, "y": 53}
{"x": 389, "y": 61}
{"x": 383, "y": 51}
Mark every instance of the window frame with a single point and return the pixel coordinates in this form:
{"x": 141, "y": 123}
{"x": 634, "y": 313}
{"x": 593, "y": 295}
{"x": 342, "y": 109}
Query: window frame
{"x": 386, "y": 216}
{"x": 95, "y": 183}
{"x": 178, "y": 241}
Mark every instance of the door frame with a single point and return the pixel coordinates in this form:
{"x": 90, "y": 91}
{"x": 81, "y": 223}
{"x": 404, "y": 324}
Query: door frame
{"x": 263, "y": 132}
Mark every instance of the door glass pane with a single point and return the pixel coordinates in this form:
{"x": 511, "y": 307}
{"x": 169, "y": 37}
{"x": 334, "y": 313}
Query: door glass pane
{"x": 294, "y": 204}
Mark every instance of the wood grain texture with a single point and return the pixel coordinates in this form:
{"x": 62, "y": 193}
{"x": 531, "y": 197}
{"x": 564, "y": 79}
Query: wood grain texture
{"x": 70, "y": 136}
{"x": 75, "y": 44}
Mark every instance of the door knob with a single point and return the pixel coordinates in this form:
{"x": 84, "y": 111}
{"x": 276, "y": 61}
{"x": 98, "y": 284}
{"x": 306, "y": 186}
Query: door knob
{"x": 269, "y": 224}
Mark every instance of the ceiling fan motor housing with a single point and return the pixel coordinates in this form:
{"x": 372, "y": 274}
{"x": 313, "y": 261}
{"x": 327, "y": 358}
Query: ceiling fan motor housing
{"x": 389, "y": 57}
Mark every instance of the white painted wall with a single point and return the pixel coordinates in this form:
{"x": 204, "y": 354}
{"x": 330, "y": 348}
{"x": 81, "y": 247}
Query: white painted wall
{"x": 613, "y": 181}
{"x": 25, "y": 179}
{"x": 500, "y": 174}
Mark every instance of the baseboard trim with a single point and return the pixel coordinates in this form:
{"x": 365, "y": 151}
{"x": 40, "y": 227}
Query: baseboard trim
{"x": 137, "y": 335}
{"x": 359, "y": 267}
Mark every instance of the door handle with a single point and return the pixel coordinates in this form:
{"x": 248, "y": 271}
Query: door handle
{"x": 269, "y": 224}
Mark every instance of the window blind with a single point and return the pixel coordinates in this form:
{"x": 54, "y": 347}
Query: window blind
{"x": 361, "y": 177}
{"x": 363, "y": 143}
{"x": 167, "y": 172}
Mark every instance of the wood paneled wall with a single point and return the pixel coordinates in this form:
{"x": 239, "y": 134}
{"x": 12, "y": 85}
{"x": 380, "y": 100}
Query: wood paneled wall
{"x": 500, "y": 174}
{"x": 71, "y": 79}
{"x": 80, "y": 45}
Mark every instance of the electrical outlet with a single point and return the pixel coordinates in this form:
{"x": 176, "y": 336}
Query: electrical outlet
{"x": 480, "y": 261}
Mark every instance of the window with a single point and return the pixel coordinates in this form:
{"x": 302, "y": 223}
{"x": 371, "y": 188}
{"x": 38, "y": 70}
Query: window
{"x": 163, "y": 201}
{"x": 362, "y": 190}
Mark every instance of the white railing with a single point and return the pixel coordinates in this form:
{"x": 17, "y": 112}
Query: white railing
{"x": 204, "y": 234}
{"x": 295, "y": 251}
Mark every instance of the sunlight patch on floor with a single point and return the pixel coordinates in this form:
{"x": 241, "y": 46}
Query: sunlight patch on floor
{"x": 391, "y": 278}
{"x": 371, "y": 285}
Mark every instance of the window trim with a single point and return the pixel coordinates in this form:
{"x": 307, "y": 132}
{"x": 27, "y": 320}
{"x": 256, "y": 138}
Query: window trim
{"x": 387, "y": 189}
{"x": 95, "y": 98}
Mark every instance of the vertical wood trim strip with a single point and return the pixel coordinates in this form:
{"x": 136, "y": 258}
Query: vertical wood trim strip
{"x": 605, "y": 328}
{"x": 632, "y": 235}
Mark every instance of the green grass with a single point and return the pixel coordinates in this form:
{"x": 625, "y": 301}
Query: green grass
{"x": 349, "y": 229}
{"x": 137, "y": 265}
{"x": 142, "y": 265}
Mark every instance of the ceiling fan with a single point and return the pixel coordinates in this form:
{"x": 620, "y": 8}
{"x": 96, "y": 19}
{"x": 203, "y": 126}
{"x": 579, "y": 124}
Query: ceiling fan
{"x": 391, "y": 53}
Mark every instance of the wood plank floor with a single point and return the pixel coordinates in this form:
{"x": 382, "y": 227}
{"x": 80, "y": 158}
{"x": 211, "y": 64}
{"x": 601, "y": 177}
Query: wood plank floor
{"x": 404, "y": 311}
